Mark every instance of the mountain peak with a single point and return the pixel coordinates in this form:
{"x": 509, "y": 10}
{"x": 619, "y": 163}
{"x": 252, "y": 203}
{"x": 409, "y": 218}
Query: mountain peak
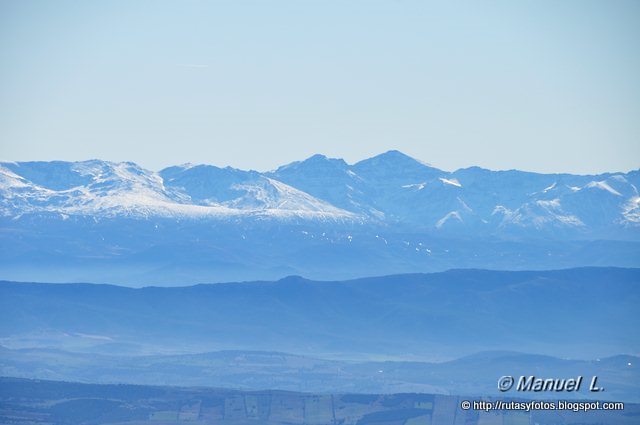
{"x": 317, "y": 157}
{"x": 318, "y": 162}
{"x": 395, "y": 166}
{"x": 393, "y": 157}
{"x": 293, "y": 280}
{"x": 320, "y": 158}
{"x": 394, "y": 153}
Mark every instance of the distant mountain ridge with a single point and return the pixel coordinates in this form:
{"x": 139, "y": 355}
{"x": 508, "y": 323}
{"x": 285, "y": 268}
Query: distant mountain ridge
{"x": 105, "y": 190}
{"x": 584, "y": 313}
{"x": 391, "y": 188}
{"x": 322, "y": 218}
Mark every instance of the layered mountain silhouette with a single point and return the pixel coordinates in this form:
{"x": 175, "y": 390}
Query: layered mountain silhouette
{"x": 391, "y": 188}
{"x": 580, "y": 313}
{"x": 321, "y": 217}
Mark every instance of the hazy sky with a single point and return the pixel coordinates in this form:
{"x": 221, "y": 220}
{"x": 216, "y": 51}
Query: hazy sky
{"x": 535, "y": 85}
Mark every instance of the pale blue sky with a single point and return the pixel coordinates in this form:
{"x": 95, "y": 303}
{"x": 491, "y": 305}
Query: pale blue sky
{"x": 535, "y": 85}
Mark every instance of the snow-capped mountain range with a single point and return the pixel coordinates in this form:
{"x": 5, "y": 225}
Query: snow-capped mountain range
{"x": 104, "y": 189}
{"x": 391, "y": 188}
{"x": 98, "y": 221}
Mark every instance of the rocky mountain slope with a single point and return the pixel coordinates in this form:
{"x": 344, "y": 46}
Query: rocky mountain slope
{"x": 322, "y": 218}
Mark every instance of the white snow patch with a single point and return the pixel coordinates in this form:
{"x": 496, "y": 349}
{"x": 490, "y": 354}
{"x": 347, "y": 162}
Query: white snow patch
{"x": 499, "y": 209}
{"x": 541, "y": 213}
{"x": 552, "y": 204}
{"x": 603, "y": 186}
{"x": 631, "y": 211}
{"x": 452, "y": 215}
{"x": 464, "y": 204}
{"x": 452, "y": 182}
{"x": 418, "y": 186}
{"x": 124, "y": 189}
{"x": 10, "y": 180}
{"x": 383, "y": 239}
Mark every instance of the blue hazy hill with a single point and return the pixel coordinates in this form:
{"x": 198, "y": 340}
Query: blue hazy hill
{"x": 584, "y": 313}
